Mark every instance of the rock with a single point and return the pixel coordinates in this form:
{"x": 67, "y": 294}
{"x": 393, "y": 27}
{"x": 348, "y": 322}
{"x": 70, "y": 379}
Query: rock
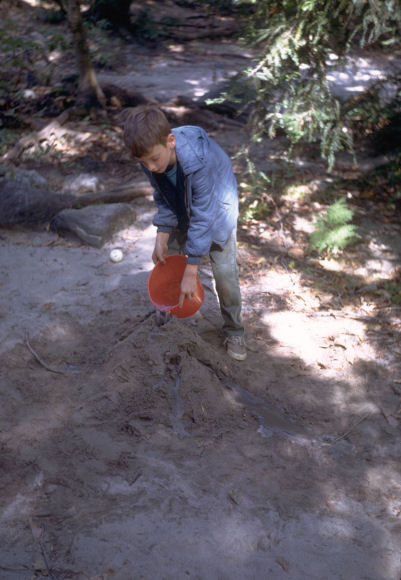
{"x": 94, "y": 225}
{"x": 368, "y": 288}
{"x": 25, "y": 200}
{"x": 25, "y": 178}
{"x": 296, "y": 252}
{"x": 82, "y": 183}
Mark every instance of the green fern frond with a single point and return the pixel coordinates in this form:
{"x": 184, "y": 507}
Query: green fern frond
{"x": 333, "y": 232}
{"x": 338, "y": 213}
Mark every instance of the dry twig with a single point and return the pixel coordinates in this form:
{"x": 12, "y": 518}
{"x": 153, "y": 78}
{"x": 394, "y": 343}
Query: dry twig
{"x": 40, "y": 361}
{"x": 351, "y": 429}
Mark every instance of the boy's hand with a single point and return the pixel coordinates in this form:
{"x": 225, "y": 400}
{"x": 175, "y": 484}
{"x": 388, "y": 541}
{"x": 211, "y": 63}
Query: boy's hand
{"x": 161, "y": 247}
{"x": 188, "y": 283}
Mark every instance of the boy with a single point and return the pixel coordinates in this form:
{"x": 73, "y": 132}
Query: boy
{"x": 195, "y": 192}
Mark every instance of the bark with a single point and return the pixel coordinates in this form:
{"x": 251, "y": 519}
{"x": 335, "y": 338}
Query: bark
{"x": 89, "y": 90}
{"x": 123, "y": 193}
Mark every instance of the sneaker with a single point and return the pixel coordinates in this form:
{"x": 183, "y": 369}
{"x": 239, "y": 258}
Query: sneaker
{"x": 236, "y": 348}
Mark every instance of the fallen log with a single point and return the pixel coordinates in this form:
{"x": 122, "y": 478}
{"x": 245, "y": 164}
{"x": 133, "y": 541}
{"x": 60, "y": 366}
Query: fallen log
{"x": 123, "y": 193}
{"x": 27, "y": 207}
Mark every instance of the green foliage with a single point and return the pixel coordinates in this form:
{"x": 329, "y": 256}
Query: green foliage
{"x": 15, "y": 54}
{"x": 109, "y": 14}
{"x": 253, "y": 208}
{"x": 393, "y": 288}
{"x": 98, "y": 34}
{"x": 50, "y": 16}
{"x": 146, "y": 28}
{"x": 13, "y": 47}
{"x": 104, "y": 24}
{"x": 56, "y": 41}
{"x": 7, "y": 138}
{"x": 333, "y": 231}
{"x": 254, "y": 199}
{"x": 366, "y": 113}
{"x": 383, "y": 182}
{"x": 18, "y": 55}
{"x": 296, "y": 41}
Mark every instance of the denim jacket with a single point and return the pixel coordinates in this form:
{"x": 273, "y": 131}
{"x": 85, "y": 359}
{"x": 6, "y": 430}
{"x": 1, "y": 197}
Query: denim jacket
{"x": 206, "y": 205}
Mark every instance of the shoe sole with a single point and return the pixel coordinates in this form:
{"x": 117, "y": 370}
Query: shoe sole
{"x": 236, "y": 356}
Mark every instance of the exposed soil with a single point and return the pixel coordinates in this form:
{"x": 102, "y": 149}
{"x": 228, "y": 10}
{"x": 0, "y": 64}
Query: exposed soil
{"x": 136, "y": 451}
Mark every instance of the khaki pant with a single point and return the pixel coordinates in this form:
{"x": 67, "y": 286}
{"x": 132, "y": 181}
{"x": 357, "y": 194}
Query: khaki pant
{"x": 226, "y": 275}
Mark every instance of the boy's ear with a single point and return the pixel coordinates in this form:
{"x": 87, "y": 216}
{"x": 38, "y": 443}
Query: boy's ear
{"x": 171, "y": 141}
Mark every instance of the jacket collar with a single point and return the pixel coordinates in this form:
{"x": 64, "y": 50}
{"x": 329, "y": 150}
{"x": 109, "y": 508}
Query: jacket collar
{"x": 191, "y": 147}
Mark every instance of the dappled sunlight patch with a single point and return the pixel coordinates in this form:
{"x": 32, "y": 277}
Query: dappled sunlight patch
{"x": 333, "y": 264}
{"x": 235, "y": 537}
{"x": 373, "y": 269}
{"x": 61, "y": 142}
{"x": 336, "y": 526}
{"x": 353, "y": 406}
{"x": 319, "y": 341}
{"x": 300, "y": 192}
{"x": 303, "y": 224}
{"x": 60, "y": 330}
{"x": 381, "y": 479}
{"x": 20, "y": 504}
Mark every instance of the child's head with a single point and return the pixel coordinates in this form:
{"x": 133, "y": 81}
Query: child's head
{"x": 148, "y": 136}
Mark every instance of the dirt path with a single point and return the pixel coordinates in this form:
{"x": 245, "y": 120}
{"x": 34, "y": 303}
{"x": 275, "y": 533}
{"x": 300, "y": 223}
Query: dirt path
{"x": 131, "y": 451}
{"x": 150, "y": 454}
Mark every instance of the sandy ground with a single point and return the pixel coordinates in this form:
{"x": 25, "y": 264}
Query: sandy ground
{"x": 134, "y": 451}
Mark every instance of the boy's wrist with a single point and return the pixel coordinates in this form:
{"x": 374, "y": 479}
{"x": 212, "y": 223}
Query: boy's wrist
{"x": 162, "y": 236}
{"x": 191, "y": 270}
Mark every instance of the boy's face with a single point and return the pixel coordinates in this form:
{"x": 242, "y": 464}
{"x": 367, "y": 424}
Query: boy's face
{"x": 160, "y": 157}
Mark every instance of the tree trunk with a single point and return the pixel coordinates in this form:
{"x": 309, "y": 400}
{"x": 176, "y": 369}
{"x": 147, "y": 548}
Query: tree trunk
{"x": 89, "y": 90}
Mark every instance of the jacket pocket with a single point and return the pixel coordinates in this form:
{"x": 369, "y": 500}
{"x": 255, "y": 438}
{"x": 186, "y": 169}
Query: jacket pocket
{"x": 225, "y": 222}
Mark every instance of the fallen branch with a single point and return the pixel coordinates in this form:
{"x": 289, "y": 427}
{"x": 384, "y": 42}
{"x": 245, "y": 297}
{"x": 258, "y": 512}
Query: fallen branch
{"x": 40, "y": 361}
{"x": 48, "y": 569}
{"x": 7, "y": 569}
{"x": 37, "y": 532}
{"x": 122, "y": 193}
{"x": 31, "y": 141}
{"x": 351, "y": 429}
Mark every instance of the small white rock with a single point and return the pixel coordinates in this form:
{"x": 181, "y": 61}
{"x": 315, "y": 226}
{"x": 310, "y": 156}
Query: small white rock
{"x": 116, "y": 255}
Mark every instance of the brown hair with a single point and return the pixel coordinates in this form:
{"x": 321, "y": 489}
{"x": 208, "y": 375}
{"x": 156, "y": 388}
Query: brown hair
{"x": 144, "y": 127}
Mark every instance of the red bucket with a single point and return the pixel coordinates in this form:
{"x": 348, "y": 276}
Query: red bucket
{"x": 164, "y": 287}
